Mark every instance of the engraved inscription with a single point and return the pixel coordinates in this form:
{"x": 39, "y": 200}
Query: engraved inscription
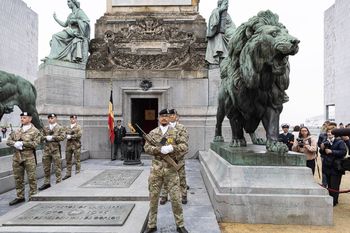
{"x": 74, "y": 214}
{"x": 150, "y": 2}
{"x": 113, "y": 179}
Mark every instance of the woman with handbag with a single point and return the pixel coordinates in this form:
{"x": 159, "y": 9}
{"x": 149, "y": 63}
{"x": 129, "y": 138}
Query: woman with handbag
{"x": 307, "y": 145}
{"x": 332, "y": 150}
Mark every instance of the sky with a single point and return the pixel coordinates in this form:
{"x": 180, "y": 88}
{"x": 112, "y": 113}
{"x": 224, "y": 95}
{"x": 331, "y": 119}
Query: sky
{"x": 303, "y": 19}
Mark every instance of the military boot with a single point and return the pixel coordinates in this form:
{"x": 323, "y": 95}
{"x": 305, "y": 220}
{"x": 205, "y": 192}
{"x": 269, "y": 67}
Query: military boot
{"x": 184, "y": 200}
{"x": 66, "y": 177}
{"x": 181, "y": 230}
{"x": 44, "y": 186}
{"x": 163, "y": 200}
{"x": 16, "y": 201}
{"x": 149, "y": 230}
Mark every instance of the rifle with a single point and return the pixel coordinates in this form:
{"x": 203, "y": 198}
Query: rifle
{"x": 166, "y": 158}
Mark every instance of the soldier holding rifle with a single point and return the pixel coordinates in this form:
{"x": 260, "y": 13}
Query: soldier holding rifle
{"x": 165, "y": 141}
{"x": 53, "y": 134}
{"x": 24, "y": 140}
{"x": 73, "y": 146}
{"x": 173, "y": 121}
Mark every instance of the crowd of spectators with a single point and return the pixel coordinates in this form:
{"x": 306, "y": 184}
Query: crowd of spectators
{"x": 330, "y": 148}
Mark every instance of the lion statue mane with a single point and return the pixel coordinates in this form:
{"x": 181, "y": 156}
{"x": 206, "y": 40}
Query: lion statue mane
{"x": 15, "y": 90}
{"x": 254, "y": 77}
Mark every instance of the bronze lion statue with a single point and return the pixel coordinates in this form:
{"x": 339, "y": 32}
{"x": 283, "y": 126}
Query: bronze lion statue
{"x": 255, "y": 75}
{"x": 15, "y": 90}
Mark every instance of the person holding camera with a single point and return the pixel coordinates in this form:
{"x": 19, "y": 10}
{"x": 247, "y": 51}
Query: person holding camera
{"x": 331, "y": 150}
{"x": 307, "y": 145}
{"x": 286, "y": 137}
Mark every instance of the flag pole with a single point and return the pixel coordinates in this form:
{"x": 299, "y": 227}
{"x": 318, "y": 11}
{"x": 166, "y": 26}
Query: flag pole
{"x": 111, "y": 119}
{"x": 111, "y": 84}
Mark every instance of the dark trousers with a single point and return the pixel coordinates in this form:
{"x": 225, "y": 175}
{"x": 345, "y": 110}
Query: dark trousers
{"x": 333, "y": 182}
{"x": 311, "y": 164}
{"x": 117, "y": 151}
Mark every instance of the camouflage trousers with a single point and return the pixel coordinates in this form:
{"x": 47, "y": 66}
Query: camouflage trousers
{"x": 162, "y": 174}
{"x": 54, "y": 158}
{"x": 183, "y": 183}
{"x": 29, "y": 166}
{"x": 69, "y": 157}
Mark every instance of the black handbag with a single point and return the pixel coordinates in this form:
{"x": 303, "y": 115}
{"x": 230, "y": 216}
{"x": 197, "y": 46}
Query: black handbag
{"x": 346, "y": 164}
{"x": 338, "y": 164}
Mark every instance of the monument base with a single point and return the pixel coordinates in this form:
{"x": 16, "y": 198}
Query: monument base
{"x": 264, "y": 194}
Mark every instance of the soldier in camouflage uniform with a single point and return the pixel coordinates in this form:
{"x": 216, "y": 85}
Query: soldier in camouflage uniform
{"x": 52, "y": 135}
{"x": 163, "y": 172}
{"x": 173, "y": 121}
{"x": 73, "y": 146}
{"x": 24, "y": 140}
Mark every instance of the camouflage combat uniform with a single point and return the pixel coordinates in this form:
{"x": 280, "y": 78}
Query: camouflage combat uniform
{"x": 25, "y": 159}
{"x": 73, "y": 147}
{"x": 181, "y": 160}
{"x": 162, "y": 172}
{"x": 52, "y": 152}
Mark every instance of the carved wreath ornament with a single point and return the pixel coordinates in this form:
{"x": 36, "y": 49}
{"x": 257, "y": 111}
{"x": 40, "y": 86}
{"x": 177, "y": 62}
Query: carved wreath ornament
{"x": 145, "y": 85}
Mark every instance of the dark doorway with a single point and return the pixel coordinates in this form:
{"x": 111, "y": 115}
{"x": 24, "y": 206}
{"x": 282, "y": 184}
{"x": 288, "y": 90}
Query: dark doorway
{"x": 144, "y": 112}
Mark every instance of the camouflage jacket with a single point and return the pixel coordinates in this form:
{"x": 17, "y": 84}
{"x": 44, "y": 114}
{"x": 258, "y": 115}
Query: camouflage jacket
{"x": 57, "y": 134}
{"x": 75, "y": 133}
{"x": 183, "y": 133}
{"x": 30, "y": 138}
{"x": 172, "y": 136}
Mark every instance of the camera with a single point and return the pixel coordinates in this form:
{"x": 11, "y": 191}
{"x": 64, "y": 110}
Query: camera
{"x": 327, "y": 144}
{"x": 300, "y": 142}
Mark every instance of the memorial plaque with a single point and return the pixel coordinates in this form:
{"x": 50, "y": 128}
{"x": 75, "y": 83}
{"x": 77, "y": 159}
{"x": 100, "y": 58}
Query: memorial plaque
{"x": 74, "y": 214}
{"x": 113, "y": 179}
{"x": 151, "y": 2}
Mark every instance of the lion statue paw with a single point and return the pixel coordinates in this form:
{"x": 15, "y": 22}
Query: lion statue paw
{"x": 238, "y": 143}
{"x": 259, "y": 141}
{"x": 218, "y": 139}
{"x": 256, "y": 140}
{"x": 275, "y": 146}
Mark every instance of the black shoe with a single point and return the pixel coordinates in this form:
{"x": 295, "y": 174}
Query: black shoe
{"x": 335, "y": 203}
{"x": 181, "y": 230}
{"x": 66, "y": 177}
{"x": 163, "y": 200}
{"x": 44, "y": 186}
{"x": 16, "y": 201}
{"x": 149, "y": 230}
{"x": 184, "y": 200}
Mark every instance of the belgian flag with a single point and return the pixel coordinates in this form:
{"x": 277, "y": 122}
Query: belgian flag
{"x": 111, "y": 118}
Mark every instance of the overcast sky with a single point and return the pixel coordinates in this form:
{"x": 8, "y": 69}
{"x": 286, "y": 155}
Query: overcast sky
{"x": 303, "y": 19}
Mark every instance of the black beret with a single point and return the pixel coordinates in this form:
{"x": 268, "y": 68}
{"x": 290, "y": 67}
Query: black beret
{"x": 51, "y": 115}
{"x": 285, "y": 126}
{"x": 164, "y": 111}
{"x": 26, "y": 114}
{"x": 73, "y": 116}
{"x": 172, "y": 111}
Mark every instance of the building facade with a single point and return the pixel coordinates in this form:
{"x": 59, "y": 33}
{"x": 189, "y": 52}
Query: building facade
{"x": 18, "y": 39}
{"x": 18, "y": 45}
{"x": 337, "y": 62}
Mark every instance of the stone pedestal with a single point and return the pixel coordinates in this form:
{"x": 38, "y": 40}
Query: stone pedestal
{"x": 132, "y": 148}
{"x": 264, "y": 194}
{"x": 60, "y": 88}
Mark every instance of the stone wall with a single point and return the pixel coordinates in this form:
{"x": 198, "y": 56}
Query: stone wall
{"x": 18, "y": 39}
{"x": 337, "y": 59}
{"x": 18, "y": 45}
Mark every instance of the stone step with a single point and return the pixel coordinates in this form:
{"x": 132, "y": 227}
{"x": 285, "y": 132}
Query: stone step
{"x": 111, "y": 183}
